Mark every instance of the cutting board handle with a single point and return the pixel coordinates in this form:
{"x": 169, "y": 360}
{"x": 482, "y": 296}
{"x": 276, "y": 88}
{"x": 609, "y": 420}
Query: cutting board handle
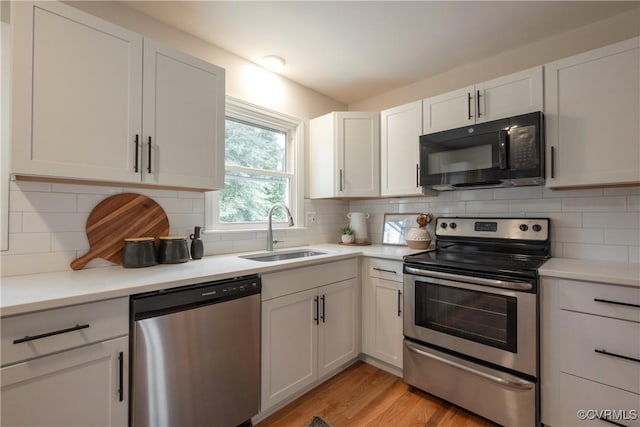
{"x": 79, "y": 263}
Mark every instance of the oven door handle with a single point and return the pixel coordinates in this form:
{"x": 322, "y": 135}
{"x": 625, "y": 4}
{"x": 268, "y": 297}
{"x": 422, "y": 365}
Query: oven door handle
{"x": 511, "y": 382}
{"x": 520, "y": 286}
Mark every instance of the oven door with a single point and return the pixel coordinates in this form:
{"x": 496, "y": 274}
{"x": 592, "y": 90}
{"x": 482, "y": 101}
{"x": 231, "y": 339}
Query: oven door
{"x": 488, "y": 319}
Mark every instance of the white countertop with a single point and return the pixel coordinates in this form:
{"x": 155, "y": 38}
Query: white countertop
{"x": 33, "y": 292}
{"x": 617, "y": 273}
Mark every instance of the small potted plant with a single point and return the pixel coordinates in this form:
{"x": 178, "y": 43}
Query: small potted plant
{"x": 348, "y": 236}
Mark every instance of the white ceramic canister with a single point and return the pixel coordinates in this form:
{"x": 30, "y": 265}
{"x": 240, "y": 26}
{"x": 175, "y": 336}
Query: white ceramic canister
{"x": 358, "y": 223}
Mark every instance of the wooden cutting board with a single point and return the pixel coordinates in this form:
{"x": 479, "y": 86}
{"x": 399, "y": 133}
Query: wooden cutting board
{"x": 119, "y": 217}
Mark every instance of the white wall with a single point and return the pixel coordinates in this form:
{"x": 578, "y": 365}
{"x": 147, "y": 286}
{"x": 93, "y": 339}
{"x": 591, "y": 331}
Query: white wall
{"x": 600, "y": 224}
{"x": 598, "y": 34}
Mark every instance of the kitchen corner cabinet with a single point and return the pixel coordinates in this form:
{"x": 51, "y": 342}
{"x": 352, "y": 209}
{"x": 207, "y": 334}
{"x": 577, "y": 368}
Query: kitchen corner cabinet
{"x": 584, "y": 363}
{"x": 80, "y": 110}
{"x": 77, "y": 376}
{"x": 592, "y": 116}
{"x": 344, "y": 155}
{"x": 382, "y": 310}
{"x": 309, "y": 327}
{"x": 400, "y": 132}
{"x": 511, "y": 95}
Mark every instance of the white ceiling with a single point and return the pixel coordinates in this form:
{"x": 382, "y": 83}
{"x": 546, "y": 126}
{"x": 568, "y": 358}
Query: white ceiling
{"x": 354, "y": 50}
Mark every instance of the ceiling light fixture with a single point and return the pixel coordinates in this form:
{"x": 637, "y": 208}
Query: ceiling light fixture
{"x": 273, "y": 63}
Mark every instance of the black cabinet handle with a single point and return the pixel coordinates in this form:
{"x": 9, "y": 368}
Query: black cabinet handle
{"x": 399, "y": 302}
{"x": 324, "y": 303}
{"x": 149, "y": 165}
{"x": 340, "y": 179}
{"x": 608, "y": 421}
{"x": 135, "y": 167}
{"x": 469, "y": 104}
{"x": 478, "y": 103}
{"x": 50, "y": 334}
{"x": 553, "y": 162}
{"x": 121, "y": 376}
{"x": 625, "y": 304}
{"x": 386, "y": 271}
{"x": 315, "y": 311}
{"x": 619, "y": 356}
{"x": 417, "y": 175}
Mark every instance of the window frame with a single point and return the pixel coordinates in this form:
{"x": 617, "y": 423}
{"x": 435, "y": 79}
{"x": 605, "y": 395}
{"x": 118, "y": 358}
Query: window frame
{"x": 252, "y": 114}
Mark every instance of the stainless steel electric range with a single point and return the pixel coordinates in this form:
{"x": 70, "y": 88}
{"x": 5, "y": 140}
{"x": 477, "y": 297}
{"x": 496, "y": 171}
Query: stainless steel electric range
{"x": 471, "y": 320}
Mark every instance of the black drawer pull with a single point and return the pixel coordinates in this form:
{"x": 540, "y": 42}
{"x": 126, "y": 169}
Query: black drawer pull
{"x": 399, "y": 302}
{"x": 619, "y": 356}
{"x": 50, "y": 334}
{"x": 316, "y": 310}
{"x": 626, "y": 304}
{"x": 121, "y": 376}
{"x": 384, "y": 271}
{"x": 324, "y": 303}
{"x": 608, "y": 421}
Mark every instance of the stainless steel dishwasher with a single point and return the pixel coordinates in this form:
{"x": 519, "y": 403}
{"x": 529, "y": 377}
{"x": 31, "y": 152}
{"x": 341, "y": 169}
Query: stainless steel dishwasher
{"x": 196, "y": 355}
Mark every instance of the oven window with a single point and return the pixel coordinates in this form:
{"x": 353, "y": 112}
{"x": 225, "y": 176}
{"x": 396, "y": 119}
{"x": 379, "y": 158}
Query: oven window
{"x": 477, "y": 316}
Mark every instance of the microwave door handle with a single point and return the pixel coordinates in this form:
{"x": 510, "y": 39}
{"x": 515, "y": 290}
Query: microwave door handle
{"x": 503, "y": 143}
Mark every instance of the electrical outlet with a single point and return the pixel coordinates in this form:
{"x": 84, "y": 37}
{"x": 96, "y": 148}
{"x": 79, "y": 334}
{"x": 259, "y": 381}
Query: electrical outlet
{"x": 312, "y": 219}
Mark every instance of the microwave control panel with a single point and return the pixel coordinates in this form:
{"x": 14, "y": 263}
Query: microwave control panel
{"x": 523, "y": 150}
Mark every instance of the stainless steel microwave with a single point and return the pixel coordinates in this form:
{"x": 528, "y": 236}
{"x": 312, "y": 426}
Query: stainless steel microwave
{"x": 500, "y": 153}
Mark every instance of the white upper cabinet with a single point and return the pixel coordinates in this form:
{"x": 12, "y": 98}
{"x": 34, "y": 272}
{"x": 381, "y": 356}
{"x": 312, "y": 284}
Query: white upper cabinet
{"x": 593, "y": 117}
{"x": 78, "y": 113}
{"x": 511, "y": 95}
{"x": 183, "y": 119}
{"x": 401, "y": 128}
{"x": 77, "y": 94}
{"x": 344, "y": 155}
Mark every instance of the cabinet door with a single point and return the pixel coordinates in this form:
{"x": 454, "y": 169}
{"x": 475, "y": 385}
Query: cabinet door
{"x": 386, "y": 327}
{"x": 358, "y": 145}
{"x": 338, "y": 336}
{"x": 289, "y": 346}
{"x": 401, "y": 128}
{"x": 449, "y": 110}
{"x": 86, "y": 386}
{"x": 511, "y": 95}
{"x": 77, "y": 95}
{"x": 183, "y": 119}
{"x": 592, "y": 109}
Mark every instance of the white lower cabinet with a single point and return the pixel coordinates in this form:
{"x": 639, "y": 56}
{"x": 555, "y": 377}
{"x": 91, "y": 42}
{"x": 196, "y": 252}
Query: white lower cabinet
{"x": 382, "y": 310}
{"x": 308, "y": 331}
{"x": 66, "y": 366}
{"x": 590, "y": 353}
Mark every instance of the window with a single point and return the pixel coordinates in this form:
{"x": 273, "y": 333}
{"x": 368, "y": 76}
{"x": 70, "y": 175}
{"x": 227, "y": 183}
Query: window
{"x": 261, "y": 159}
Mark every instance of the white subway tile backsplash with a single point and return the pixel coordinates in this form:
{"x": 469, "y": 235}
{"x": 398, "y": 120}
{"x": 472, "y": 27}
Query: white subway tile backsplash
{"x": 489, "y": 206}
{"x": 634, "y": 254}
{"x": 634, "y": 203}
{"x": 26, "y": 186}
{"x": 517, "y": 193}
{"x": 412, "y": 208}
{"x": 539, "y": 205}
{"x": 41, "y": 202}
{"x": 577, "y": 235}
{"x": 591, "y": 192}
{"x": 13, "y": 265}
{"x": 447, "y": 208}
{"x": 621, "y": 191}
{"x": 559, "y": 219}
{"x": 29, "y": 243}
{"x": 622, "y": 236}
{"x": 483, "y": 194}
{"x": 49, "y": 222}
{"x": 198, "y": 206}
{"x": 191, "y": 195}
{"x": 611, "y": 220}
{"x": 86, "y": 202}
{"x": 85, "y": 189}
{"x": 15, "y": 222}
{"x": 595, "y": 204}
{"x": 175, "y": 205}
{"x": 66, "y": 240}
{"x": 596, "y": 252}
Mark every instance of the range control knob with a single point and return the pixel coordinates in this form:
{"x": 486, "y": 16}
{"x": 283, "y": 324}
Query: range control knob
{"x": 443, "y": 225}
{"x": 453, "y": 225}
{"x": 524, "y": 227}
{"x": 536, "y": 227}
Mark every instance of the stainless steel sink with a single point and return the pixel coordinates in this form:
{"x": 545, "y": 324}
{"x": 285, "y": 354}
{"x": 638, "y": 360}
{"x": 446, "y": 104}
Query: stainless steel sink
{"x": 281, "y": 256}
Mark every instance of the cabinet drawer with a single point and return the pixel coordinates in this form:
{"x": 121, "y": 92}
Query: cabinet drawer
{"x": 62, "y": 329}
{"x": 384, "y": 269}
{"x": 585, "y": 334}
{"x": 580, "y": 394}
{"x": 301, "y": 279}
{"x": 601, "y": 299}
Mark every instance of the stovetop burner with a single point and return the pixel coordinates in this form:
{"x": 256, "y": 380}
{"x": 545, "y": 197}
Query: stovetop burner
{"x": 513, "y": 246}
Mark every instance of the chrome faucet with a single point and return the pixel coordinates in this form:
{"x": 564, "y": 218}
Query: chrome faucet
{"x": 270, "y": 240}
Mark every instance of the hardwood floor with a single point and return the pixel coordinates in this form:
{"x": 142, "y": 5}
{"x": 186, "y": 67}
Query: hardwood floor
{"x": 364, "y": 395}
